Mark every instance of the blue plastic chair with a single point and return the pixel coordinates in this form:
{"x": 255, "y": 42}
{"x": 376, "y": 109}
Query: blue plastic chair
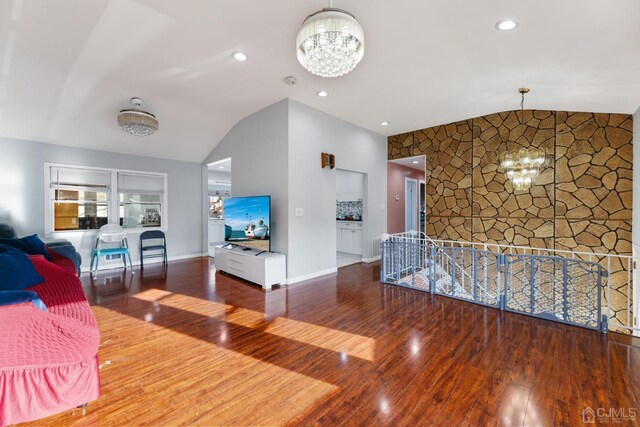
{"x": 159, "y": 248}
{"x": 111, "y": 234}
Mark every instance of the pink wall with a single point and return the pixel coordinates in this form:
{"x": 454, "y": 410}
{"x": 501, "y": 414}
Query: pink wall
{"x": 395, "y": 185}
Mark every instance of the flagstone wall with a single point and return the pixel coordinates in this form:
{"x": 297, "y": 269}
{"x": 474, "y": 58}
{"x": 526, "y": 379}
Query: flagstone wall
{"x": 581, "y": 201}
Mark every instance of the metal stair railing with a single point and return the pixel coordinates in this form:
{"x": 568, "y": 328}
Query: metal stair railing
{"x": 574, "y": 288}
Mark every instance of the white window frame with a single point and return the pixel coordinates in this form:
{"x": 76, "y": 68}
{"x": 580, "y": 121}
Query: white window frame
{"x": 114, "y": 201}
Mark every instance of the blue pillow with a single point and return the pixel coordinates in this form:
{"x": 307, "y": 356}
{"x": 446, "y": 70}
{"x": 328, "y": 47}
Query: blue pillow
{"x": 17, "y": 272}
{"x": 31, "y": 245}
{"x": 16, "y": 297}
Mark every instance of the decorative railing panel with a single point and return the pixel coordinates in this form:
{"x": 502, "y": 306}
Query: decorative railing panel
{"x": 532, "y": 282}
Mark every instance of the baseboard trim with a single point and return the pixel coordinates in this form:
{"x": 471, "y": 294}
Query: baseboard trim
{"x": 312, "y": 276}
{"x": 370, "y": 260}
{"x": 149, "y": 261}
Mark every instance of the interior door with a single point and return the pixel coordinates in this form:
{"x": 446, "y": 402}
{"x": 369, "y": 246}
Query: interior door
{"x": 411, "y": 204}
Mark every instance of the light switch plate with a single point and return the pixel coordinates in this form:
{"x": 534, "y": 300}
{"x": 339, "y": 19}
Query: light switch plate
{"x": 299, "y": 212}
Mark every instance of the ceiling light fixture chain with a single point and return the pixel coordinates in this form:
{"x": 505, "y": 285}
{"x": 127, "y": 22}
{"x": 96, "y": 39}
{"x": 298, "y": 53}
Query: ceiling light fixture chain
{"x": 522, "y": 167}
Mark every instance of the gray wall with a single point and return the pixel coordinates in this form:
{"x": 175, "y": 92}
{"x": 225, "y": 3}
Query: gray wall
{"x": 312, "y": 237}
{"x": 635, "y": 227}
{"x": 635, "y": 223}
{"x": 276, "y": 151}
{"x": 257, "y": 146}
{"x": 22, "y": 192}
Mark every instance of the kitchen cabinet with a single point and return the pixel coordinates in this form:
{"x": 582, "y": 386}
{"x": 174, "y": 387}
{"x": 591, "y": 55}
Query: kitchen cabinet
{"x": 216, "y": 230}
{"x": 349, "y": 186}
{"x": 349, "y": 237}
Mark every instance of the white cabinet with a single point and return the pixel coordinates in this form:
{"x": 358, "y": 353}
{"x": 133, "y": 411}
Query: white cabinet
{"x": 216, "y": 230}
{"x": 355, "y": 186}
{"x": 263, "y": 268}
{"x": 349, "y": 186}
{"x": 342, "y": 185}
{"x": 349, "y": 237}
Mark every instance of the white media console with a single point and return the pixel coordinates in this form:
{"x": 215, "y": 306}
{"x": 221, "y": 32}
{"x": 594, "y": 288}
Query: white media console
{"x": 263, "y": 268}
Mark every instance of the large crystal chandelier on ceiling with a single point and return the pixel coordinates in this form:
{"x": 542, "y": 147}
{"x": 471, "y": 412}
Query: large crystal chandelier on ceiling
{"x": 137, "y": 122}
{"x": 522, "y": 167}
{"x": 330, "y": 43}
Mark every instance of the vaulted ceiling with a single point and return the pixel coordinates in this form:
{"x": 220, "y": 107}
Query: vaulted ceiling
{"x": 69, "y": 66}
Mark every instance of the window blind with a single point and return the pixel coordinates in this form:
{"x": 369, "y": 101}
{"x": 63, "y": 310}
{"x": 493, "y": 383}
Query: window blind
{"x": 132, "y": 183}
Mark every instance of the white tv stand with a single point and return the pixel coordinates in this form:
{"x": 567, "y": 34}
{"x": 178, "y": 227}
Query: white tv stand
{"x": 263, "y": 268}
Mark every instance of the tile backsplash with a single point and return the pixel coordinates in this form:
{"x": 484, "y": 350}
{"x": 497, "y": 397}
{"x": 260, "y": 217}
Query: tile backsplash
{"x": 349, "y": 209}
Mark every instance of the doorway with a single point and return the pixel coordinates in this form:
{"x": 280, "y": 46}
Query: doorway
{"x": 406, "y": 194}
{"x": 218, "y": 190}
{"x": 411, "y": 204}
{"x": 350, "y": 217}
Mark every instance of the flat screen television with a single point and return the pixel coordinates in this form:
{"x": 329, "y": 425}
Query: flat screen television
{"x": 247, "y": 221}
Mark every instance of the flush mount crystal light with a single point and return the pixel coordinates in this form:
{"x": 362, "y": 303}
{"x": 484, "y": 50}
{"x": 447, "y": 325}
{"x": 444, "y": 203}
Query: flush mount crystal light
{"x": 506, "y": 25}
{"x": 522, "y": 167}
{"x": 137, "y": 122}
{"x": 330, "y": 43}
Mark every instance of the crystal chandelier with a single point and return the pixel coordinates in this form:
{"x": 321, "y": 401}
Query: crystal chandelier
{"x": 522, "y": 167}
{"x": 137, "y": 122}
{"x": 330, "y": 43}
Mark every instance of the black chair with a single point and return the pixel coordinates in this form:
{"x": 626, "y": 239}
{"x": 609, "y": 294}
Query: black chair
{"x": 160, "y": 250}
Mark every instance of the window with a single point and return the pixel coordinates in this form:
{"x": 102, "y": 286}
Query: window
{"x": 140, "y": 198}
{"x": 80, "y": 198}
{"x": 86, "y": 199}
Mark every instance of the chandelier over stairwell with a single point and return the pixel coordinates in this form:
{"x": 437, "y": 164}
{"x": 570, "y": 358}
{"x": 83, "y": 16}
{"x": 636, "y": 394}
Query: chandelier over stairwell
{"x": 330, "y": 43}
{"x": 522, "y": 167}
{"x": 137, "y": 122}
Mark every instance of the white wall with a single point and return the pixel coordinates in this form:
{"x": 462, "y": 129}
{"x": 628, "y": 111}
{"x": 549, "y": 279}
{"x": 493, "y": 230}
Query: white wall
{"x": 277, "y": 150}
{"x": 257, "y": 146}
{"x": 312, "y": 237}
{"x": 635, "y": 223}
{"x": 22, "y": 193}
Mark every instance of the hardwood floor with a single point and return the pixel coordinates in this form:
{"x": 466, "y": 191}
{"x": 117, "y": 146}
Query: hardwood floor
{"x": 200, "y": 348}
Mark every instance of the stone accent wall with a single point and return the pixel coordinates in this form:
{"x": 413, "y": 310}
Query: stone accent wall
{"x": 581, "y": 201}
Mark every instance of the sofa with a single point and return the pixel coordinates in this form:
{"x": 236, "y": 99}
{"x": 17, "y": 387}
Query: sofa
{"x": 49, "y": 357}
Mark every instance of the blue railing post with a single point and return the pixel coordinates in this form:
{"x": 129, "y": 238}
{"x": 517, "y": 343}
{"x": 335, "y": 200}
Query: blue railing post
{"x": 565, "y": 290}
{"x": 604, "y": 323}
{"x": 503, "y": 268}
{"x": 532, "y": 284}
{"x": 475, "y": 275}
{"x": 414, "y": 250}
{"x": 432, "y": 282}
{"x": 453, "y": 271}
{"x": 383, "y": 268}
{"x": 397, "y": 263}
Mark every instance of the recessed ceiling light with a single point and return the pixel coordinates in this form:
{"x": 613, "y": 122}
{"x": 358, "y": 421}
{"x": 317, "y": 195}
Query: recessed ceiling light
{"x": 506, "y": 25}
{"x": 220, "y": 167}
{"x": 384, "y": 124}
{"x": 323, "y": 93}
{"x": 239, "y": 56}
{"x": 415, "y": 162}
